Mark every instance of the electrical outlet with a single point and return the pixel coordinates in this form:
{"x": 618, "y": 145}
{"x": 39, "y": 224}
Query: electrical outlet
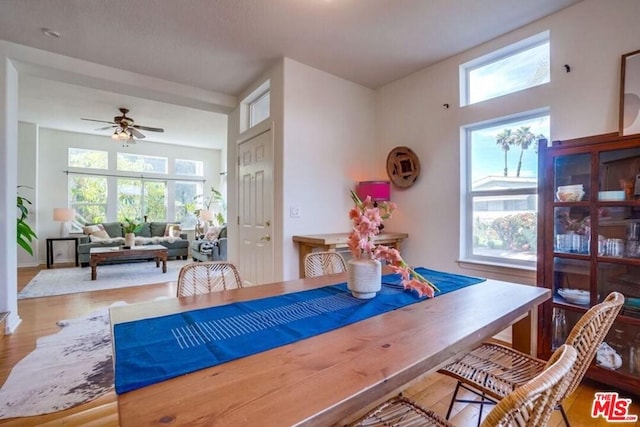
{"x": 295, "y": 212}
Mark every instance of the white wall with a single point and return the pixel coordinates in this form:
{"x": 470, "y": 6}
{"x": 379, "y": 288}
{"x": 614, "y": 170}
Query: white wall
{"x": 590, "y": 36}
{"x": 51, "y": 183}
{"x": 329, "y": 145}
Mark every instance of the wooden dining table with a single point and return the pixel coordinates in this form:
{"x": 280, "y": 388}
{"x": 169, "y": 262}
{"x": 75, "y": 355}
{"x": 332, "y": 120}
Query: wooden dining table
{"x": 327, "y": 378}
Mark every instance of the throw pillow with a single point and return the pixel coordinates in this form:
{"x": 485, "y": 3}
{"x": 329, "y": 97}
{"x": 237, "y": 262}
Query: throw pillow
{"x": 172, "y": 230}
{"x": 96, "y": 231}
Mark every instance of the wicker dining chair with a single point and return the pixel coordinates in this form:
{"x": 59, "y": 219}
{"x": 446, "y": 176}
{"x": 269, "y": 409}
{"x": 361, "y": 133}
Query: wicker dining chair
{"x": 322, "y": 263}
{"x": 492, "y": 371}
{"x": 203, "y": 277}
{"x": 530, "y": 405}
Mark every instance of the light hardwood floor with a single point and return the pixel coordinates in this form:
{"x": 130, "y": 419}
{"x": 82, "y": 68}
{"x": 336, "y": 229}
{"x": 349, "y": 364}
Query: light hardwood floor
{"x": 39, "y": 317}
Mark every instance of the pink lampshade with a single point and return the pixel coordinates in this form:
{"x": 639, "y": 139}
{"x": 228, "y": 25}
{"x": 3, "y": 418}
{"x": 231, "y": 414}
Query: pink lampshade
{"x": 380, "y": 191}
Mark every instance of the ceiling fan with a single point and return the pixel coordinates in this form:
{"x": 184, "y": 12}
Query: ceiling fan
{"x": 125, "y": 127}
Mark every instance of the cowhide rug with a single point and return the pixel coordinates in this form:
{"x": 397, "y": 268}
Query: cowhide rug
{"x": 66, "y": 369}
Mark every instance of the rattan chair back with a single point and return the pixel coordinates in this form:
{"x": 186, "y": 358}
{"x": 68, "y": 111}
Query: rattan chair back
{"x": 203, "y": 277}
{"x": 528, "y": 406}
{"x": 588, "y": 333}
{"x": 533, "y": 403}
{"x": 322, "y": 263}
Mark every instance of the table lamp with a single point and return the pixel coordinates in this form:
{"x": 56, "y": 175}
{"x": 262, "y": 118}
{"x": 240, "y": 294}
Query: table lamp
{"x": 380, "y": 191}
{"x": 64, "y": 215}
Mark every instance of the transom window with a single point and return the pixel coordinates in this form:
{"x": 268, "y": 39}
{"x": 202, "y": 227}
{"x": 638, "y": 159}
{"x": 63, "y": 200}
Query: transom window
{"x": 259, "y": 109}
{"x": 140, "y": 163}
{"x": 189, "y": 167}
{"x": 520, "y": 66}
{"x": 91, "y": 159}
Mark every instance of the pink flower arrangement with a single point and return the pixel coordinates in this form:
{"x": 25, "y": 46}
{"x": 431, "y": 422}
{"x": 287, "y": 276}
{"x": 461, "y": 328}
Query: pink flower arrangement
{"x": 367, "y": 218}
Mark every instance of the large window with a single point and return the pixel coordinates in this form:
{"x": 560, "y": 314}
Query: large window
{"x": 519, "y": 66}
{"x": 88, "y": 196}
{"x": 138, "y": 198}
{"x": 501, "y": 189}
{"x": 133, "y": 186}
{"x": 185, "y": 198}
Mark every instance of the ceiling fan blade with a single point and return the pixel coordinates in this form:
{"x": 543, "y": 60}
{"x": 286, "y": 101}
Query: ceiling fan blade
{"x": 101, "y": 121}
{"x": 148, "y": 128}
{"x": 107, "y": 127}
{"x": 135, "y": 133}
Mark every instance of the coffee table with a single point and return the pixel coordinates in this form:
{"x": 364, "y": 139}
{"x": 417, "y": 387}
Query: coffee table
{"x": 98, "y": 255}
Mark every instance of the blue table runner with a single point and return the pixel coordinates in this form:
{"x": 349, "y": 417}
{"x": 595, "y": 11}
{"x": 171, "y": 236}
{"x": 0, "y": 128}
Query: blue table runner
{"x": 152, "y": 350}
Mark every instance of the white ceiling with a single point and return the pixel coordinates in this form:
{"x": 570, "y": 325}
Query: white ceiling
{"x": 224, "y": 45}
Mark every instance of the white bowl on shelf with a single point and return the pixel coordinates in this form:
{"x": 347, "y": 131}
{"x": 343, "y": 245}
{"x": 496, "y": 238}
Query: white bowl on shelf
{"x": 610, "y": 196}
{"x": 575, "y": 296}
{"x": 569, "y": 195}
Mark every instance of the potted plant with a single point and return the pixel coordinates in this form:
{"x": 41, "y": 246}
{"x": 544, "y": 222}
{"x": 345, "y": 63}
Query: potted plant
{"x": 25, "y": 233}
{"x": 130, "y": 227}
{"x": 214, "y": 197}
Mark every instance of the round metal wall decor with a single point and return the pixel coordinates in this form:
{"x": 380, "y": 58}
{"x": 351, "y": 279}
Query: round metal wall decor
{"x": 403, "y": 167}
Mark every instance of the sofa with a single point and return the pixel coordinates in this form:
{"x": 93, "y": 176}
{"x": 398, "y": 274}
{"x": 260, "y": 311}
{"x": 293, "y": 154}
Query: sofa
{"x": 212, "y": 246}
{"x": 111, "y": 234}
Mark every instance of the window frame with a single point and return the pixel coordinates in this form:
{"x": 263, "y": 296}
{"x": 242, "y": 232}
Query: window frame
{"x": 495, "y": 56}
{"x": 252, "y": 105}
{"x": 75, "y": 225}
{"x": 468, "y": 194}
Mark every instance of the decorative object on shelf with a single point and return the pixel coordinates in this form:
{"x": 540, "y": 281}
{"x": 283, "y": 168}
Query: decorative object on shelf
{"x": 403, "y": 167}
{"x": 64, "y": 215}
{"x": 574, "y": 296}
{"x": 630, "y": 94}
{"x": 570, "y": 193}
{"x": 607, "y": 357}
{"x": 364, "y": 275}
{"x": 559, "y": 328}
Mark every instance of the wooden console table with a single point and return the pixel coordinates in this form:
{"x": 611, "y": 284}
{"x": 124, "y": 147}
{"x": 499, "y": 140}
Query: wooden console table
{"x": 333, "y": 241}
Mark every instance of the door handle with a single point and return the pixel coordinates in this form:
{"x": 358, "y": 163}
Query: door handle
{"x": 265, "y": 238}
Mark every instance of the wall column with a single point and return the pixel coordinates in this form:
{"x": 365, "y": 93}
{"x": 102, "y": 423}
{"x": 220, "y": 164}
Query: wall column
{"x": 8, "y": 191}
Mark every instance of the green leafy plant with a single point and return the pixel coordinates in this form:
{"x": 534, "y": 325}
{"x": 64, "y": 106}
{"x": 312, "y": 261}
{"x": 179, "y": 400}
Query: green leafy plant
{"x": 131, "y": 226}
{"x": 214, "y": 197}
{"x": 25, "y": 233}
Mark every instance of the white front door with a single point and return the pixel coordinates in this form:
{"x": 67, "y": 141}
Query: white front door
{"x": 255, "y": 209}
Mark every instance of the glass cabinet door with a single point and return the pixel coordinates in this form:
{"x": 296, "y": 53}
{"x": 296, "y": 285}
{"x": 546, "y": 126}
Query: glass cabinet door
{"x": 572, "y": 177}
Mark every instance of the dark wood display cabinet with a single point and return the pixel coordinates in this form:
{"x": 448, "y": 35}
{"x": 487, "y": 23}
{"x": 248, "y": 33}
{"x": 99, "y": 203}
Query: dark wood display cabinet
{"x": 589, "y": 246}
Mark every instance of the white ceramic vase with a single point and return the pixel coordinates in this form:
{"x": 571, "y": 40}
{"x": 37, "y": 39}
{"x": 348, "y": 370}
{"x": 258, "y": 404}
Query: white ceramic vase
{"x": 364, "y": 276}
{"x": 130, "y": 239}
